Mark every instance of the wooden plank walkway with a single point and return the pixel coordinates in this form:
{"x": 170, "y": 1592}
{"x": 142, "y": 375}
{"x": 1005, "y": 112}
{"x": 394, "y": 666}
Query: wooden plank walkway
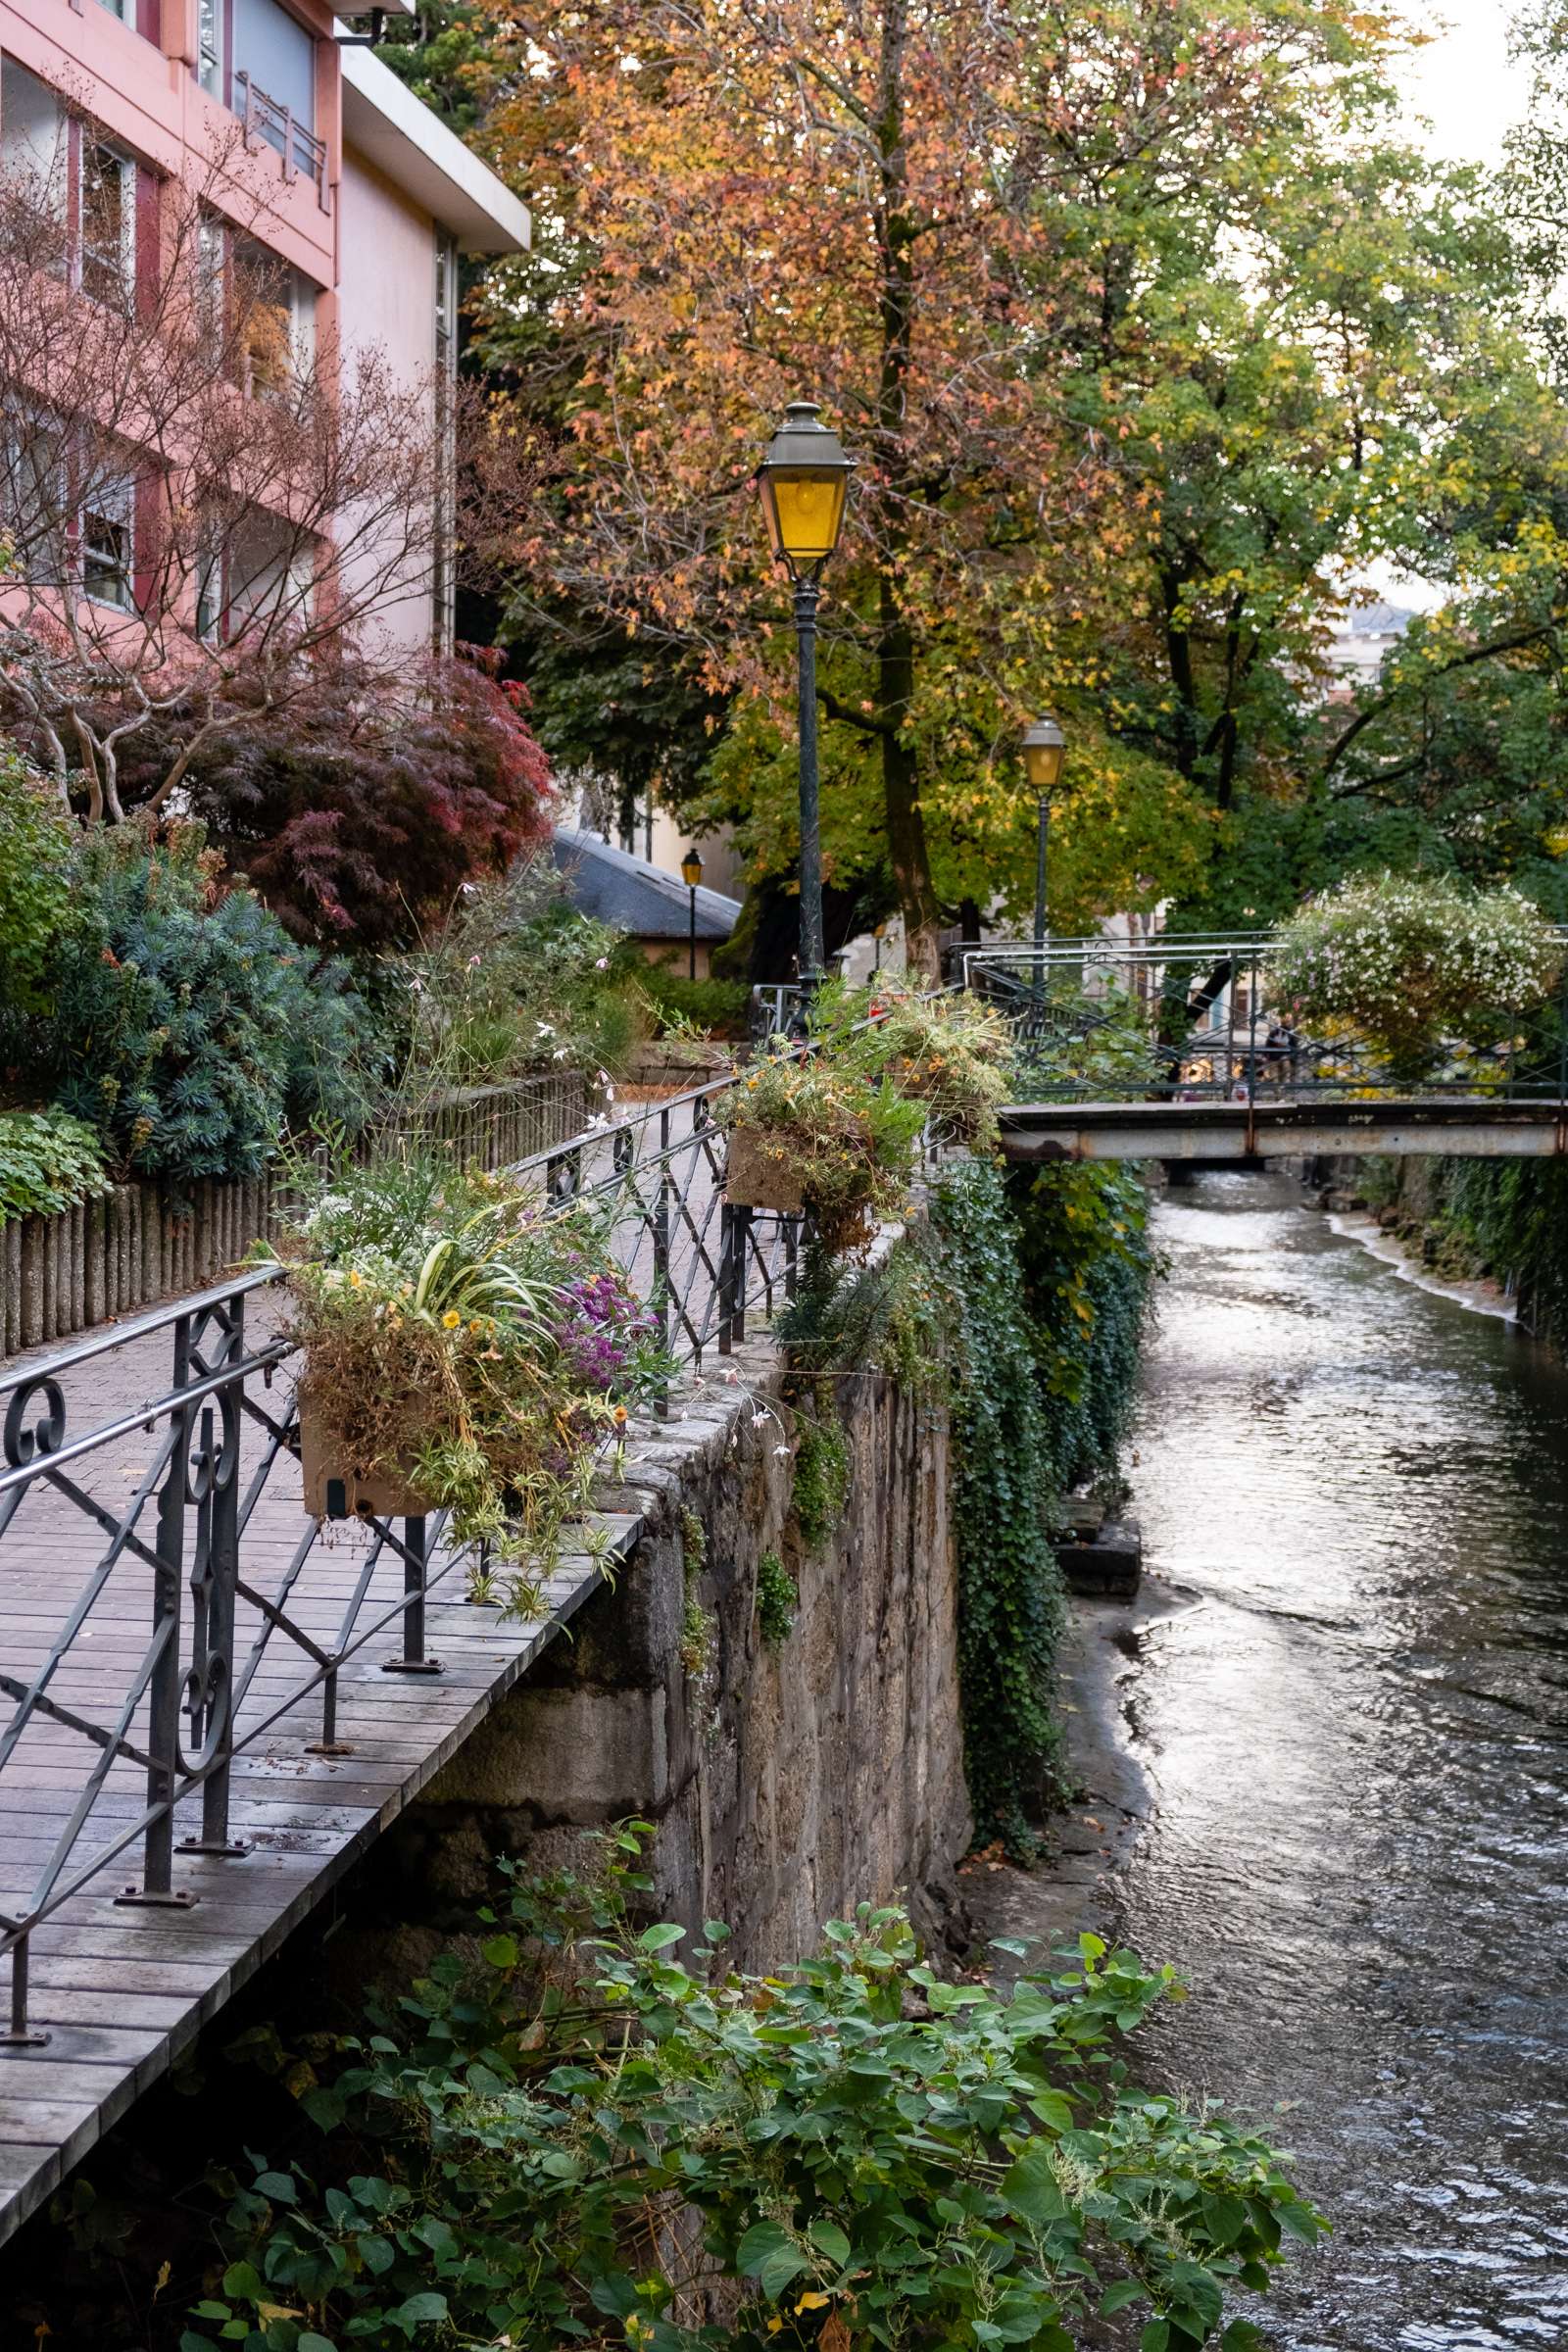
{"x": 121, "y": 1990}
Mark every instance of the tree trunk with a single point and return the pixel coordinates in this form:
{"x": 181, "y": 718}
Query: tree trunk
{"x": 901, "y": 791}
{"x": 908, "y": 852}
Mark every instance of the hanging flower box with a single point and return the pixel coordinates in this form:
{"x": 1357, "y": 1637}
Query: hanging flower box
{"x": 332, "y": 1490}
{"x": 759, "y": 1174}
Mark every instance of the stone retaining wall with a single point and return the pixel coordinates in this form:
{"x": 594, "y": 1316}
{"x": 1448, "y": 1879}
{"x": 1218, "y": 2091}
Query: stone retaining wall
{"x": 787, "y": 1783}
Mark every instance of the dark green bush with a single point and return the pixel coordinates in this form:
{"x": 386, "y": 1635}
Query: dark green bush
{"x": 568, "y": 2136}
{"x": 720, "y": 1007}
{"x": 188, "y": 1027}
{"x": 36, "y": 838}
{"x": 48, "y": 1162}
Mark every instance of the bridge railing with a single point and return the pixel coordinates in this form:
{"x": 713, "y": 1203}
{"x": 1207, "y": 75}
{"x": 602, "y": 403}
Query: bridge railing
{"x": 1194, "y": 1019}
{"x": 159, "y": 1620}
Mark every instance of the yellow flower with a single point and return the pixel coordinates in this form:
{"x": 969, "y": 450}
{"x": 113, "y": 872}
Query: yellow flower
{"x": 450, "y": 1320}
{"x": 356, "y": 1280}
{"x": 474, "y": 1325}
{"x": 619, "y": 1416}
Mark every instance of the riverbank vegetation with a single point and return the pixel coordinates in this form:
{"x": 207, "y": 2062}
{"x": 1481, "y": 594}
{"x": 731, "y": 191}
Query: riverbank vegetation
{"x": 570, "y": 2129}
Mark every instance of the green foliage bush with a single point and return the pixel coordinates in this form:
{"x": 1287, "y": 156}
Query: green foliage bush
{"x": 679, "y": 1005}
{"x": 48, "y": 1162}
{"x": 777, "y": 1599}
{"x": 1088, "y": 1269}
{"x": 1412, "y": 959}
{"x": 36, "y": 837}
{"x": 518, "y": 981}
{"x": 188, "y": 1028}
{"x": 821, "y": 1473}
{"x": 576, "y": 2137}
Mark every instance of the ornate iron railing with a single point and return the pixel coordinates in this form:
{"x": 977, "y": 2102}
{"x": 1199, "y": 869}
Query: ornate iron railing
{"x": 1178, "y": 1019}
{"x": 194, "y": 1624}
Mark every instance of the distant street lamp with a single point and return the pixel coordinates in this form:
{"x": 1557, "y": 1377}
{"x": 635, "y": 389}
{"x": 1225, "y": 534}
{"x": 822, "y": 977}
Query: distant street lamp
{"x": 803, "y": 480}
{"x": 690, "y": 873}
{"x": 1045, "y": 749}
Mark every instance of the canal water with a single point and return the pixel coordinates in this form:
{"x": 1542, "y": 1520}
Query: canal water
{"x": 1355, "y": 1722}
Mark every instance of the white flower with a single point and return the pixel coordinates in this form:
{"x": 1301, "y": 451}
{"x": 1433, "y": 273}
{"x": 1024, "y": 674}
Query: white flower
{"x": 781, "y": 1453}
{"x": 560, "y": 1054}
{"x": 603, "y": 964}
{"x": 547, "y": 1029}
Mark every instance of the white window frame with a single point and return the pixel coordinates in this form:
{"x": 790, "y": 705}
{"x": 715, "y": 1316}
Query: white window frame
{"x": 118, "y": 269}
{"x": 113, "y": 506}
{"x": 443, "y": 523}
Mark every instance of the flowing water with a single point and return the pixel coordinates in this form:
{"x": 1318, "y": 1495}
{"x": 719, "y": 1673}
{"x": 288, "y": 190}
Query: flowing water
{"x": 1355, "y": 1722}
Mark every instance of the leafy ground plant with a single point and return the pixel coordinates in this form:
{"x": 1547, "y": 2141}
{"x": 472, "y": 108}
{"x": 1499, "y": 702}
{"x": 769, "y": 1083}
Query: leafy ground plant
{"x": 48, "y": 1162}
{"x": 592, "y": 2141}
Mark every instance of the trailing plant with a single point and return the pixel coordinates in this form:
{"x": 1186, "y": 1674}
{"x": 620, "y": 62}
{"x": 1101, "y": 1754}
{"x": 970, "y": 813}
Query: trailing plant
{"x": 897, "y": 1318}
{"x": 48, "y": 1162}
{"x": 1087, "y": 1271}
{"x": 950, "y": 1052}
{"x": 846, "y": 1144}
{"x": 699, "y": 1626}
{"x": 777, "y": 1599}
{"x": 460, "y": 1340}
{"x": 1011, "y": 1604}
{"x": 1413, "y": 960}
{"x": 576, "y": 2138}
{"x": 822, "y": 1472}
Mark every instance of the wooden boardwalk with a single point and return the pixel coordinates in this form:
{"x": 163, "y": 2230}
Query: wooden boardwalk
{"x": 121, "y": 1990}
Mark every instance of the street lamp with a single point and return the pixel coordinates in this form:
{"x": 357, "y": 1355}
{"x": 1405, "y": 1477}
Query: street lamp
{"x": 690, "y": 873}
{"x": 1045, "y": 749}
{"x": 803, "y": 480}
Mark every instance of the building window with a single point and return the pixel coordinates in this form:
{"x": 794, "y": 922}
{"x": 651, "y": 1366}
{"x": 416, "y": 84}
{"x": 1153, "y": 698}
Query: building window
{"x": 108, "y": 542}
{"x": 212, "y": 52}
{"x": 273, "y": 319}
{"x": 108, "y": 234}
{"x": 442, "y": 572}
{"x": 34, "y": 140}
{"x": 36, "y": 498}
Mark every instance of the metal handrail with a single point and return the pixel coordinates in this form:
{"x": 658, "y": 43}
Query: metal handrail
{"x": 656, "y": 1176}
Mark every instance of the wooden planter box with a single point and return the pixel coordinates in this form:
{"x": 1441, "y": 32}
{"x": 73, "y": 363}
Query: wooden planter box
{"x": 331, "y": 1493}
{"x": 754, "y": 1178}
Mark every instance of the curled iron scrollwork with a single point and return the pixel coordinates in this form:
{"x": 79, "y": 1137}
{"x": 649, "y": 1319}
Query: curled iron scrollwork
{"x": 24, "y": 1444}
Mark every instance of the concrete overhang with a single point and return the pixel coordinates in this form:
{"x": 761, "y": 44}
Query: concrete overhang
{"x": 392, "y": 130}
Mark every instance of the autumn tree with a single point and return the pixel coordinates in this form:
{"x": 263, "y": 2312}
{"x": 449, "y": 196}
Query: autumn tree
{"x": 1134, "y": 316}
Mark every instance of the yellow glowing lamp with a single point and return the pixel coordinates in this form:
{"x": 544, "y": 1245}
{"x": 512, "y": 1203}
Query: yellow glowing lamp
{"x": 803, "y": 480}
{"x": 691, "y": 869}
{"x": 1045, "y": 749}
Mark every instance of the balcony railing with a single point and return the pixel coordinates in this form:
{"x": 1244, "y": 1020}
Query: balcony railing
{"x": 304, "y": 155}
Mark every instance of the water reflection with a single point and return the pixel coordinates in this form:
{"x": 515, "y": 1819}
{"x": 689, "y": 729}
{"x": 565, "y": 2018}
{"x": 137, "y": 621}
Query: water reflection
{"x": 1358, "y": 1734}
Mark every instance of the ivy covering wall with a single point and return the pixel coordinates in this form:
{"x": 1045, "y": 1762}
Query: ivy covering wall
{"x": 1048, "y": 1277}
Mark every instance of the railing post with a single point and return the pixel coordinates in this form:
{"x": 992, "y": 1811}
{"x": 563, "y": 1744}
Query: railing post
{"x": 660, "y": 1301}
{"x": 163, "y": 1698}
{"x": 415, "y": 1561}
{"x": 212, "y": 1674}
{"x": 19, "y": 2035}
{"x": 728, "y": 1221}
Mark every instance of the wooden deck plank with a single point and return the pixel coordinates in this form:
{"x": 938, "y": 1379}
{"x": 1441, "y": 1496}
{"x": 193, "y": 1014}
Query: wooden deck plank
{"x": 121, "y": 1991}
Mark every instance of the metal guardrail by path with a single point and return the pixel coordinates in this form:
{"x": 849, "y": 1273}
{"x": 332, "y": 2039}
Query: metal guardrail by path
{"x": 1189, "y": 1020}
{"x": 225, "y": 1650}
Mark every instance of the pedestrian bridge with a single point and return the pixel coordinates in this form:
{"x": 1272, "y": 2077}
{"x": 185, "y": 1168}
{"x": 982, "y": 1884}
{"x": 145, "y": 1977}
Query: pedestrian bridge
{"x": 1175, "y": 1049}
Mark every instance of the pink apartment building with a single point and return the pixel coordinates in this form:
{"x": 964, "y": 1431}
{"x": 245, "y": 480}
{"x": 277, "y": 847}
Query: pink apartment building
{"x": 370, "y": 199}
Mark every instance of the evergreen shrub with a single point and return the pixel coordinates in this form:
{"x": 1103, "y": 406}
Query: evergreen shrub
{"x": 188, "y": 1028}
